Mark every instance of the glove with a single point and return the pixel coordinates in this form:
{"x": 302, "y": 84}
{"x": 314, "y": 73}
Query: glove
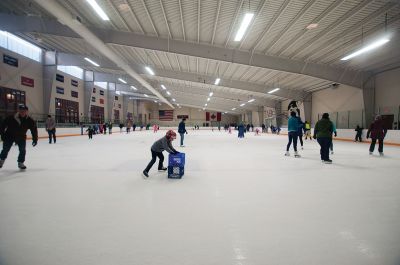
{"x": 186, "y": 132}
{"x": 34, "y": 143}
{"x": 315, "y": 137}
{"x": 335, "y": 134}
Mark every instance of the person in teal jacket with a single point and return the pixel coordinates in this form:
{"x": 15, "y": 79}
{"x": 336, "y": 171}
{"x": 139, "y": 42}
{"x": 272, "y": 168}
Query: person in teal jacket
{"x": 335, "y": 133}
{"x": 293, "y": 127}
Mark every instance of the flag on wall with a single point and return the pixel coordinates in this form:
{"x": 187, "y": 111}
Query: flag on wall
{"x": 166, "y": 115}
{"x": 213, "y": 116}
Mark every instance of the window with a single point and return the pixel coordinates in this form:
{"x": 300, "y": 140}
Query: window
{"x": 97, "y": 114}
{"x": 20, "y": 46}
{"x": 10, "y": 99}
{"x": 71, "y": 70}
{"x": 67, "y": 111}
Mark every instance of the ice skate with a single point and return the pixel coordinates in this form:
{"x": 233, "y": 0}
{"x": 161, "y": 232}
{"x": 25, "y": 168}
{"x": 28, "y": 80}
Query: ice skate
{"x": 331, "y": 152}
{"x": 287, "y": 153}
{"x": 381, "y": 154}
{"x": 162, "y": 169}
{"x": 145, "y": 174}
{"x": 1, "y": 163}
{"x": 21, "y": 165}
{"x": 296, "y": 154}
{"x": 370, "y": 153}
{"x": 328, "y": 161}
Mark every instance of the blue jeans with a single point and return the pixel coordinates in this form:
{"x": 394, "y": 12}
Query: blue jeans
{"x": 52, "y": 135}
{"x": 292, "y": 137}
{"x": 182, "y": 137}
{"x": 7, "y": 144}
{"x": 325, "y": 143}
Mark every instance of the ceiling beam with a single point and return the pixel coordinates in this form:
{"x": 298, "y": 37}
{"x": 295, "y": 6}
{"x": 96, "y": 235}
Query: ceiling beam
{"x": 13, "y": 23}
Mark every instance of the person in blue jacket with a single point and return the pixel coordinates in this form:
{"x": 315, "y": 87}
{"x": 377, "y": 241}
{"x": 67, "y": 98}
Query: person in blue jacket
{"x": 293, "y": 127}
{"x": 241, "y": 130}
{"x": 182, "y": 131}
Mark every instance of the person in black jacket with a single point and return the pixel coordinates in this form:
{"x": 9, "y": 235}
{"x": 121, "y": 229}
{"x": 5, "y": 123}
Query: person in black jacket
{"x": 13, "y": 129}
{"x": 182, "y": 130}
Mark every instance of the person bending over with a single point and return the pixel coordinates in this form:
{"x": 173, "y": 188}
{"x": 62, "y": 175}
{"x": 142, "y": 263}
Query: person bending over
{"x": 163, "y": 144}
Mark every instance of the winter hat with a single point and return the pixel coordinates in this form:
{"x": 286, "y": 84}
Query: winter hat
{"x": 325, "y": 116}
{"x": 171, "y": 135}
{"x": 22, "y": 107}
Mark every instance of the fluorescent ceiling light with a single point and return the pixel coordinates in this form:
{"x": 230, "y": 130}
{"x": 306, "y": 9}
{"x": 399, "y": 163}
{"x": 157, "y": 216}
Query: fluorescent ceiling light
{"x": 217, "y": 81}
{"x": 243, "y": 27}
{"x": 211, "y": 93}
{"x": 173, "y": 99}
{"x": 155, "y": 101}
{"x": 133, "y": 87}
{"x": 149, "y": 70}
{"x": 92, "y": 62}
{"x": 205, "y": 104}
{"x": 233, "y": 108}
{"x": 98, "y": 9}
{"x": 251, "y": 100}
{"x": 146, "y": 95}
{"x": 169, "y": 93}
{"x": 368, "y": 48}
{"x": 273, "y": 90}
{"x": 226, "y": 112}
{"x": 122, "y": 80}
{"x": 312, "y": 26}
{"x": 163, "y": 87}
{"x": 208, "y": 99}
{"x": 242, "y": 104}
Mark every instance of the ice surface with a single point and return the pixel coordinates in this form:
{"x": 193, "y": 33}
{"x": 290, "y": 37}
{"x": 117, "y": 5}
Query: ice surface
{"x": 241, "y": 201}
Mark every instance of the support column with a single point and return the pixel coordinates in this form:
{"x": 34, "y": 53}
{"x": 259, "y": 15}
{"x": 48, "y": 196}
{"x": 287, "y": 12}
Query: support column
{"x": 87, "y": 95}
{"x": 369, "y": 100}
{"x": 308, "y": 107}
{"x": 279, "y": 113}
{"x": 261, "y": 115}
{"x": 110, "y": 101}
{"x": 125, "y": 103}
{"x": 135, "y": 113}
{"x": 49, "y": 73}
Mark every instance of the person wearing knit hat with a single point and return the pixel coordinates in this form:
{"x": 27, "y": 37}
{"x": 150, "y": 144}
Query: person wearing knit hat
{"x": 323, "y": 133}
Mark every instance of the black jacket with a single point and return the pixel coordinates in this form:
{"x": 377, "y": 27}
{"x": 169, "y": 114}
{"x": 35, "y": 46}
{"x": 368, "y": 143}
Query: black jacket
{"x": 14, "y": 128}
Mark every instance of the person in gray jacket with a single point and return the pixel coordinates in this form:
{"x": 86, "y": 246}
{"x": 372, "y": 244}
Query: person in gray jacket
{"x": 51, "y": 128}
{"x": 163, "y": 144}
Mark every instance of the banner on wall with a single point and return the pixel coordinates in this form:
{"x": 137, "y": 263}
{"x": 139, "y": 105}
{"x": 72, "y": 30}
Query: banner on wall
{"x": 74, "y": 83}
{"x": 93, "y": 99}
{"x": 74, "y": 94}
{"x": 60, "y": 90}
{"x": 269, "y": 112}
{"x": 101, "y": 92}
{"x": 60, "y": 78}
{"x": 213, "y": 116}
{"x": 26, "y": 81}
{"x": 7, "y": 59}
{"x": 179, "y": 117}
{"x": 101, "y": 101}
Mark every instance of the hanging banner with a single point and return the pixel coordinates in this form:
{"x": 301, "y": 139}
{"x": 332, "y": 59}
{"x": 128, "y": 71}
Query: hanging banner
{"x": 26, "y": 81}
{"x": 74, "y": 83}
{"x": 213, "y": 116}
{"x": 74, "y": 94}
{"x": 60, "y": 78}
{"x": 60, "y": 90}
{"x": 7, "y": 59}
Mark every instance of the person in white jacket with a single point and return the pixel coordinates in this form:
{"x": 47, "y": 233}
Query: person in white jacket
{"x": 51, "y": 128}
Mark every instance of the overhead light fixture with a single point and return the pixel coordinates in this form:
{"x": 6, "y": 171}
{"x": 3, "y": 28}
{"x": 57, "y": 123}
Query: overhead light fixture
{"x": 273, "y": 90}
{"x": 312, "y": 26}
{"x": 149, "y": 70}
{"x": 146, "y": 95}
{"x": 208, "y": 99}
{"x": 225, "y": 112}
{"x": 177, "y": 105}
{"x": 233, "y": 108}
{"x": 169, "y": 93}
{"x": 92, "y": 62}
{"x": 217, "y": 81}
{"x": 243, "y": 27}
{"x": 211, "y": 94}
{"x": 134, "y": 88}
{"x": 251, "y": 100}
{"x": 173, "y": 100}
{"x": 155, "y": 101}
{"x": 98, "y": 9}
{"x": 163, "y": 87}
{"x": 205, "y": 104}
{"x": 242, "y": 104}
{"x": 368, "y": 48}
{"x": 122, "y": 80}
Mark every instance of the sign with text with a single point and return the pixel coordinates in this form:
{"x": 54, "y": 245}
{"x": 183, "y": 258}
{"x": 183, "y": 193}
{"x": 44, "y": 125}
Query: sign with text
{"x": 60, "y": 78}
{"x": 101, "y": 101}
{"x": 74, "y": 94}
{"x": 93, "y": 99}
{"x": 26, "y": 81}
{"x": 101, "y": 92}
{"x": 74, "y": 82}
{"x": 60, "y": 90}
{"x": 7, "y": 59}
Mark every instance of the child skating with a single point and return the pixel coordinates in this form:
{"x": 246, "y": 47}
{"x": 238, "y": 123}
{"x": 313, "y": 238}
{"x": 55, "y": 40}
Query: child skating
{"x": 163, "y": 144}
{"x": 293, "y": 126}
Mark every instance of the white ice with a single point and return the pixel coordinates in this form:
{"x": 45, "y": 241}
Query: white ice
{"x": 241, "y": 201}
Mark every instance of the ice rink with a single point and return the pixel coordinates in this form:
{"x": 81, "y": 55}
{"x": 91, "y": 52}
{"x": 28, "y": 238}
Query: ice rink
{"x": 241, "y": 201}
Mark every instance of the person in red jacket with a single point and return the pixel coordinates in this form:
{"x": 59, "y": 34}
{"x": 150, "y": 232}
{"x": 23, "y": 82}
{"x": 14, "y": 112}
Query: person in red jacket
{"x": 376, "y": 131}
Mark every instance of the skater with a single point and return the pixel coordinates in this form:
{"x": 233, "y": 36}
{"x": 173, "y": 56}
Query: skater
{"x": 182, "y": 131}
{"x": 90, "y": 132}
{"x": 157, "y": 148}
{"x": 105, "y": 128}
{"x": 241, "y": 131}
{"x": 252, "y": 127}
{"x": 323, "y": 133}
{"x": 335, "y": 133}
{"x": 300, "y": 131}
{"x": 121, "y": 125}
{"x": 51, "y": 128}
{"x": 376, "y": 131}
{"x": 13, "y": 130}
{"x": 293, "y": 127}
{"x": 263, "y": 128}
{"x": 134, "y": 127}
{"x": 359, "y": 130}
{"x": 257, "y": 132}
{"x": 229, "y": 130}
{"x": 307, "y": 130}
{"x": 110, "y": 126}
{"x": 128, "y": 126}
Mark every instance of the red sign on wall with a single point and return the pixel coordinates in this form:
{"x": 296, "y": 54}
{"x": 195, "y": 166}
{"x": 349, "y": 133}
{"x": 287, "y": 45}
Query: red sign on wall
{"x": 101, "y": 101}
{"x": 26, "y": 81}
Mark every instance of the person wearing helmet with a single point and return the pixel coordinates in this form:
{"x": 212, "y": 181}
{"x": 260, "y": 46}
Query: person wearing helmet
{"x": 163, "y": 144}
